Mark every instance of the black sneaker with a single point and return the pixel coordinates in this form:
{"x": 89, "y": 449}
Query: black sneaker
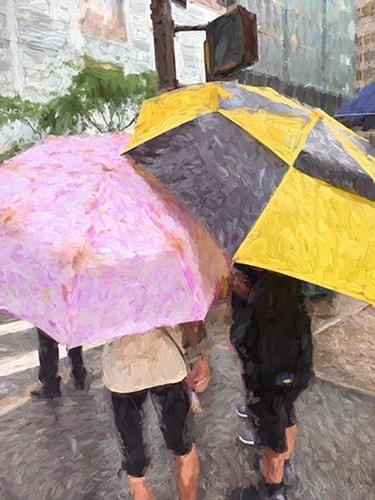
{"x": 79, "y": 378}
{"x": 271, "y": 491}
{"x": 45, "y": 392}
{"x": 244, "y": 493}
{"x": 260, "y": 493}
{"x": 79, "y": 384}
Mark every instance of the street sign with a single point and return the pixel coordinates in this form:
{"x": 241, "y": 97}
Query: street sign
{"x": 231, "y": 44}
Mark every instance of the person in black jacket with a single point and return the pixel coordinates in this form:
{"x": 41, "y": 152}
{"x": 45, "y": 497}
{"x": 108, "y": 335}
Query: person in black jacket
{"x": 271, "y": 332}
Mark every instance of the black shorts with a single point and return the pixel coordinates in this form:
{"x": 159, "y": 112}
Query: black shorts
{"x": 271, "y": 416}
{"x": 173, "y": 406}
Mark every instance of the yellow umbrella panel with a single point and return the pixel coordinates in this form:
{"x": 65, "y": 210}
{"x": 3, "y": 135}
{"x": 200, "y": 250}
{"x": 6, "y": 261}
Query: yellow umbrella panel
{"x": 279, "y": 185}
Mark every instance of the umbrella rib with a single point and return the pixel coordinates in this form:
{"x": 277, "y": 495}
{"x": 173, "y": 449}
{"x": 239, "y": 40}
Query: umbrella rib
{"x": 304, "y": 134}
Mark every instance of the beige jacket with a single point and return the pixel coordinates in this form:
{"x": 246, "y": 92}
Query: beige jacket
{"x": 136, "y": 362}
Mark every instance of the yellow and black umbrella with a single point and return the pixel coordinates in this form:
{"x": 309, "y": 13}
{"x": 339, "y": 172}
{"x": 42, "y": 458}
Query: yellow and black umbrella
{"x": 279, "y": 185}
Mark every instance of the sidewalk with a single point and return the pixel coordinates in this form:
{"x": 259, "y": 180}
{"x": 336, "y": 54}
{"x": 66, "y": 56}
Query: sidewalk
{"x": 344, "y": 340}
{"x": 65, "y": 449}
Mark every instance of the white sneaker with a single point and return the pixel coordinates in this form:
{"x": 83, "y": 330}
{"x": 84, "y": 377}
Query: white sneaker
{"x": 247, "y": 436}
{"x": 241, "y": 411}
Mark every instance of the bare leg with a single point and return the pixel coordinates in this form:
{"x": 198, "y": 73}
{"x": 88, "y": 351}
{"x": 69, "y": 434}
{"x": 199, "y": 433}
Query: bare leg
{"x": 139, "y": 489}
{"x": 187, "y": 470}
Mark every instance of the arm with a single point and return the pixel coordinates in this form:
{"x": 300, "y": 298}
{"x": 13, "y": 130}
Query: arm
{"x": 195, "y": 332}
{"x": 200, "y": 373}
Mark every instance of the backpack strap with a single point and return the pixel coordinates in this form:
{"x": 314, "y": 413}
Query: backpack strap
{"x": 183, "y": 355}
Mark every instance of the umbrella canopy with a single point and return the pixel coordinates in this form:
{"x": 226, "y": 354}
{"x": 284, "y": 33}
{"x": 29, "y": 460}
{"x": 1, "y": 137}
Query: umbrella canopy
{"x": 91, "y": 251}
{"x": 361, "y": 110}
{"x": 279, "y": 185}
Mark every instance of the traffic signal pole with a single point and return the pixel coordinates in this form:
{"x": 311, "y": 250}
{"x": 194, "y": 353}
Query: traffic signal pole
{"x": 164, "y": 30}
{"x": 237, "y": 23}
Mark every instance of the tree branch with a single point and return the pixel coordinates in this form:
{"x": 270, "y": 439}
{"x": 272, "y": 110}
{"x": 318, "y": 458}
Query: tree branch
{"x": 121, "y": 129}
{"x": 94, "y": 124}
{"x": 28, "y": 123}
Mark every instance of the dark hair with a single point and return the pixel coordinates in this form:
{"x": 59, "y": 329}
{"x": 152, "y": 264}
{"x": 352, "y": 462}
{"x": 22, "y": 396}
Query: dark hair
{"x": 251, "y": 273}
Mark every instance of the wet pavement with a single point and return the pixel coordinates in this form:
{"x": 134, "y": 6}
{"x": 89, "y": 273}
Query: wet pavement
{"x": 67, "y": 449}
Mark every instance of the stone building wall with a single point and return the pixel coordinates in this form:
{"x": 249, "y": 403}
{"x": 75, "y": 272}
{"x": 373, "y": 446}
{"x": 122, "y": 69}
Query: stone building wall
{"x": 307, "y": 42}
{"x": 37, "y": 36}
{"x": 365, "y": 43}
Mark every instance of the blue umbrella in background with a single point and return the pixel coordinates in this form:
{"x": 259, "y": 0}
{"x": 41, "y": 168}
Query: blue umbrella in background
{"x": 360, "y": 111}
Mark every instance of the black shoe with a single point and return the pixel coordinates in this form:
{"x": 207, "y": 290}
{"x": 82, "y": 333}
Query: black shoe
{"x": 79, "y": 384}
{"x": 45, "y": 392}
{"x": 79, "y": 378}
{"x": 244, "y": 493}
{"x": 271, "y": 491}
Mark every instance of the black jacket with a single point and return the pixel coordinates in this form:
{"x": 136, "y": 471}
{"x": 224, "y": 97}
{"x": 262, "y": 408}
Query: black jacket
{"x": 272, "y": 335}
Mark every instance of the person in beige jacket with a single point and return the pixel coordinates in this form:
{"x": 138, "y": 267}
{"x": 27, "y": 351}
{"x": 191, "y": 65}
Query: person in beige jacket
{"x": 153, "y": 363}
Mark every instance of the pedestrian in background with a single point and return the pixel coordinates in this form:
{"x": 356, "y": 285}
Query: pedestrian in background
{"x": 49, "y": 364}
{"x": 271, "y": 332}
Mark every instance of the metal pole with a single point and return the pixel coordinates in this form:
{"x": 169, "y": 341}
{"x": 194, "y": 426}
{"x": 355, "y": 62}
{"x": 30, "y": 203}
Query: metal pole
{"x": 163, "y": 28}
{"x": 199, "y": 27}
{"x": 286, "y": 42}
{"x": 324, "y": 54}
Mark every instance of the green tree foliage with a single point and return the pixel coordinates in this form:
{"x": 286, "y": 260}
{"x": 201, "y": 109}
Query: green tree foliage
{"x": 16, "y": 109}
{"x": 15, "y": 148}
{"x": 100, "y": 98}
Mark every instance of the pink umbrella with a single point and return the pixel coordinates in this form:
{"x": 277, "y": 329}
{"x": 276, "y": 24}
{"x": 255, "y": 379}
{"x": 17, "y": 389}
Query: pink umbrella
{"x": 91, "y": 250}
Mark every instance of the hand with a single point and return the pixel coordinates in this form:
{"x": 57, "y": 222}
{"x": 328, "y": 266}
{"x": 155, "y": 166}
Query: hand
{"x": 195, "y": 331}
{"x": 240, "y": 286}
{"x": 200, "y": 375}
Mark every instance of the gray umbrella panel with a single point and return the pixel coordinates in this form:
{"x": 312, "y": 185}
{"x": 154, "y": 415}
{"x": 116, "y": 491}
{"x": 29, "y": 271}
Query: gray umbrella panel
{"x": 222, "y": 176}
{"x": 323, "y": 157}
{"x": 225, "y": 178}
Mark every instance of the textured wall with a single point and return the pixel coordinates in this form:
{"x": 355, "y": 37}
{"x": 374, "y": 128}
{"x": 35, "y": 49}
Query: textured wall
{"x": 36, "y": 36}
{"x": 365, "y": 43}
{"x": 330, "y": 102}
{"x": 307, "y": 42}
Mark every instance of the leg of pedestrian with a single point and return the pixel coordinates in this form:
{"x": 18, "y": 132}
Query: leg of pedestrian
{"x": 48, "y": 368}
{"x": 187, "y": 471}
{"x": 273, "y": 446}
{"x": 289, "y": 473}
{"x": 173, "y": 406}
{"x": 128, "y": 417}
{"x": 79, "y": 371}
{"x": 272, "y": 469}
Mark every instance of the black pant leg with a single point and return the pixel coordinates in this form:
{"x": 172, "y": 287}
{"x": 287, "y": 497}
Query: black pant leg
{"x": 78, "y": 370}
{"x": 173, "y": 406}
{"x": 271, "y": 419}
{"x": 291, "y": 413}
{"x": 128, "y": 415}
{"x": 48, "y": 360}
